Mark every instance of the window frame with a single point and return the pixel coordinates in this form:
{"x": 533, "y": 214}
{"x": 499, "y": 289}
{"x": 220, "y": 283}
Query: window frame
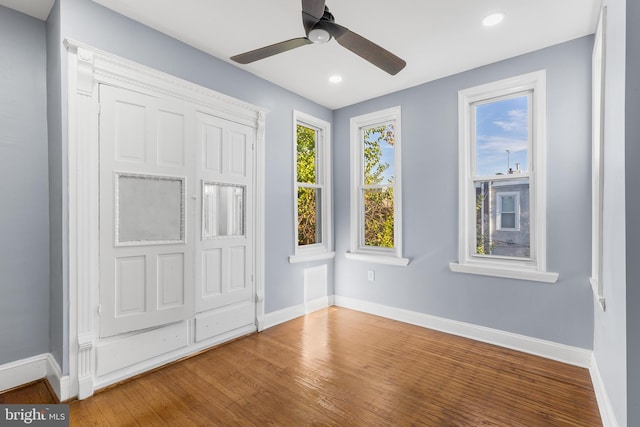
{"x": 323, "y": 250}
{"x": 359, "y": 252}
{"x": 535, "y": 268}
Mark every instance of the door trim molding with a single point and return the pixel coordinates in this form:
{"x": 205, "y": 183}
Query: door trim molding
{"x": 87, "y": 68}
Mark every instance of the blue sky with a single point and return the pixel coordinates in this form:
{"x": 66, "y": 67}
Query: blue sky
{"x": 388, "y": 156}
{"x": 501, "y": 126}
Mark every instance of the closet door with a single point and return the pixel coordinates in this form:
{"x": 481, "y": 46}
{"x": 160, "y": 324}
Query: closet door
{"x": 147, "y": 202}
{"x": 225, "y": 292}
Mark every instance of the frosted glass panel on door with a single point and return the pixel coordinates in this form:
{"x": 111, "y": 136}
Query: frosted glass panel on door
{"x": 223, "y": 210}
{"x": 149, "y": 209}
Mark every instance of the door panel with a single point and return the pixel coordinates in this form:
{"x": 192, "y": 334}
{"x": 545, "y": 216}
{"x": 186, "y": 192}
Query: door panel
{"x": 171, "y": 286}
{"x": 212, "y": 149}
{"x": 147, "y": 169}
{"x": 238, "y": 155}
{"x": 130, "y": 285}
{"x": 129, "y": 139}
{"x": 238, "y": 267}
{"x": 224, "y": 251}
{"x": 212, "y": 272}
{"x": 171, "y": 143}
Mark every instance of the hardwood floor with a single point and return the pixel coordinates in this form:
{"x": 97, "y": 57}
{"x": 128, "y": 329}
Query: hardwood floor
{"x": 341, "y": 367}
{"x": 35, "y": 393}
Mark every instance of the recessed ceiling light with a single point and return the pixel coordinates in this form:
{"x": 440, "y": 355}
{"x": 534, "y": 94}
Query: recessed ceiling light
{"x": 493, "y": 19}
{"x": 335, "y": 79}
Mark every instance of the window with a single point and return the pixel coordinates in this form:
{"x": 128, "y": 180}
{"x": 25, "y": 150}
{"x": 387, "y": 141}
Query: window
{"x": 376, "y": 229}
{"x": 502, "y": 179}
{"x": 508, "y": 212}
{"x": 312, "y": 212}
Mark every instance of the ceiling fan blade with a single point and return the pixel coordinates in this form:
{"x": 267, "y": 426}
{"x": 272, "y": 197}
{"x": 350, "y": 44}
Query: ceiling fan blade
{"x": 365, "y": 48}
{"x": 267, "y": 51}
{"x": 314, "y": 8}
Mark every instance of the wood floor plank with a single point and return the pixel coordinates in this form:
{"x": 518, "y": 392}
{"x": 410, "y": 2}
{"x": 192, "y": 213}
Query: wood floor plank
{"x": 340, "y": 367}
{"x": 35, "y": 393}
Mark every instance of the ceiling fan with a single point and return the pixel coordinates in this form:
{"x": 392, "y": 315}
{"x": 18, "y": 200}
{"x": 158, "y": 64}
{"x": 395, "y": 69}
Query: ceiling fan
{"x": 319, "y": 25}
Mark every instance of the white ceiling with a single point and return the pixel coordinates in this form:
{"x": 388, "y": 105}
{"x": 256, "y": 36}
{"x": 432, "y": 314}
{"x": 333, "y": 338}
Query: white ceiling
{"x": 37, "y": 8}
{"x": 437, "y": 38}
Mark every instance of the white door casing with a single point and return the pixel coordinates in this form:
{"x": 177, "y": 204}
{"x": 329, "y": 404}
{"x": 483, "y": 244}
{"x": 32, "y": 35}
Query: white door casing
{"x": 88, "y": 68}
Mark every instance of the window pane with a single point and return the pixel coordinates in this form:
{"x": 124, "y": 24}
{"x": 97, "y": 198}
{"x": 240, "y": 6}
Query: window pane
{"x": 378, "y": 154}
{"x": 502, "y": 136}
{"x": 378, "y": 217}
{"x": 508, "y": 204}
{"x": 223, "y": 210}
{"x": 509, "y": 237}
{"x": 508, "y": 220}
{"x": 309, "y": 216}
{"x": 306, "y": 159}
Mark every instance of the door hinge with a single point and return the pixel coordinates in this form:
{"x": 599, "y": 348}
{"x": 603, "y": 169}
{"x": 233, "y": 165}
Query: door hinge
{"x": 99, "y": 309}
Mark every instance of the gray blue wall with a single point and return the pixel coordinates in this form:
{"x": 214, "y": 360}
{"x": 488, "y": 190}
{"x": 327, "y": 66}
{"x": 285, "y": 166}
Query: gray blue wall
{"x": 58, "y": 208}
{"x": 560, "y": 312}
{"x": 610, "y": 326}
{"x": 24, "y": 191}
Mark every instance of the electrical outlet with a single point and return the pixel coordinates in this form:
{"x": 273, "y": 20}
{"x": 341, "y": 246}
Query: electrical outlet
{"x": 371, "y": 275}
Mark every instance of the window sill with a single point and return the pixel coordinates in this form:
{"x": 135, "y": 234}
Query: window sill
{"x": 596, "y": 293}
{"x": 378, "y": 259}
{"x": 510, "y": 273}
{"x": 294, "y": 259}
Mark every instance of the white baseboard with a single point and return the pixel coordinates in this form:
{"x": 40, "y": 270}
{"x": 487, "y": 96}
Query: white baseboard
{"x": 57, "y": 381}
{"x": 316, "y": 304}
{"x": 276, "y": 317}
{"x": 23, "y": 371}
{"x": 550, "y": 350}
{"x": 35, "y": 368}
{"x": 604, "y": 403}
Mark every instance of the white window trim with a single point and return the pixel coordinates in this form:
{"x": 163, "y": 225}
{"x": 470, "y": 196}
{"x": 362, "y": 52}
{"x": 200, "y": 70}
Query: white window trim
{"x": 389, "y": 256}
{"x": 597, "y": 162}
{"x": 536, "y": 268}
{"x": 324, "y": 250}
{"x": 516, "y": 210}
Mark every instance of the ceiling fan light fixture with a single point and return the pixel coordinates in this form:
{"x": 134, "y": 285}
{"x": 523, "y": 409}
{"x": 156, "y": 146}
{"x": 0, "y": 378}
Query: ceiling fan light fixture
{"x": 493, "y": 19}
{"x": 320, "y": 27}
{"x": 319, "y": 35}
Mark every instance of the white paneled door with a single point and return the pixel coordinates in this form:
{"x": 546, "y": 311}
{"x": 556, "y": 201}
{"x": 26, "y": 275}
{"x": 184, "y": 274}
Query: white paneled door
{"x": 176, "y": 217}
{"x": 147, "y": 172}
{"x": 225, "y": 291}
